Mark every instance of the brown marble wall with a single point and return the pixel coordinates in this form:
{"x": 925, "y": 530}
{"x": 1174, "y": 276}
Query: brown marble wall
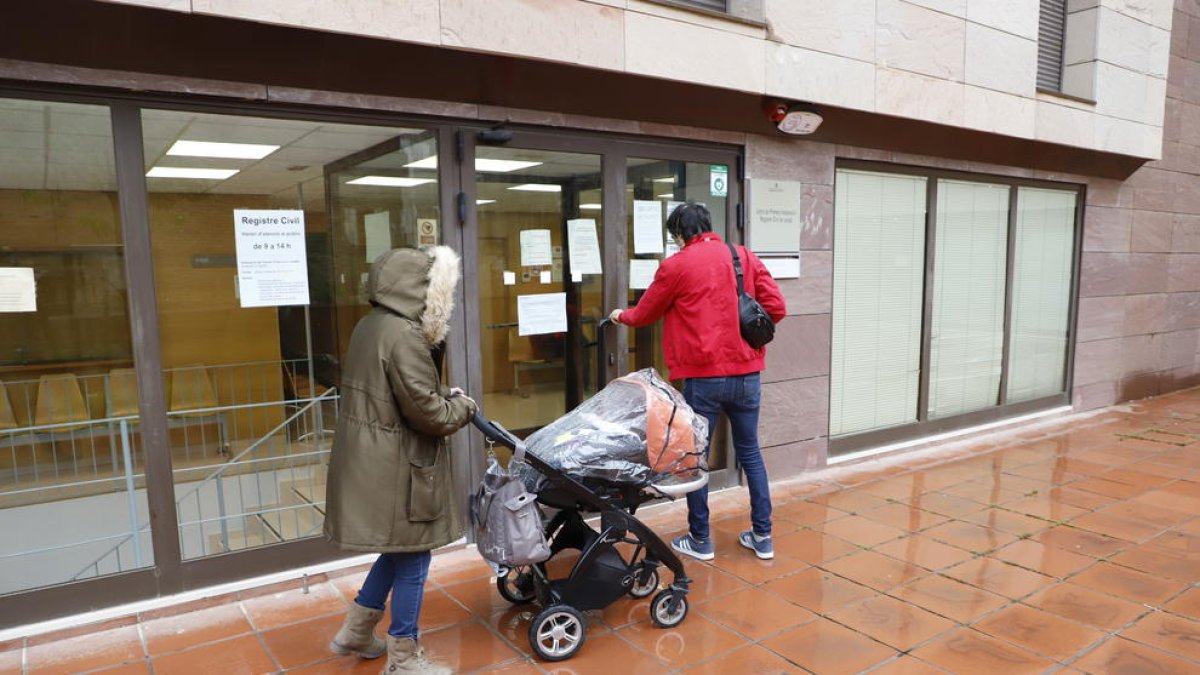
{"x": 1139, "y": 307}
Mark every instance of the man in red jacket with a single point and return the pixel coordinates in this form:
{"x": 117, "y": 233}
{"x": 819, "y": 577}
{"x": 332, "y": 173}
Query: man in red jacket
{"x": 696, "y": 293}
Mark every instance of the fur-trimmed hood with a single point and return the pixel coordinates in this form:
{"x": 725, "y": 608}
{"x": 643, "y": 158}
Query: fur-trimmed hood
{"x": 418, "y": 285}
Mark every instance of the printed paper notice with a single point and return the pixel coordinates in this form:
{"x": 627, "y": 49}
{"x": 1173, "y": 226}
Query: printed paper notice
{"x": 647, "y": 226}
{"x": 535, "y": 248}
{"x": 18, "y": 290}
{"x": 641, "y": 273}
{"x": 542, "y": 313}
{"x": 378, "y": 230}
{"x": 271, "y": 259}
{"x": 585, "y": 247}
{"x": 783, "y": 268}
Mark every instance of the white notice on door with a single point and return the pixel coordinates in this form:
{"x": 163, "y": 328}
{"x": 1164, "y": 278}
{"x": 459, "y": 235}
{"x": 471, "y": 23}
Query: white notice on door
{"x": 647, "y": 226}
{"x": 535, "y": 248}
{"x": 18, "y": 290}
{"x": 542, "y": 313}
{"x": 378, "y": 228}
{"x": 271, "y": 258}
{"x": 641, "y": 273}
{"x": 585, "y": 247}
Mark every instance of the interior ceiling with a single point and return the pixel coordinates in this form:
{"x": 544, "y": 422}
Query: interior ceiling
{"x": 66, "y": 146}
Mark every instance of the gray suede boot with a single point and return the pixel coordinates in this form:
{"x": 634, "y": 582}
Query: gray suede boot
{"x": 406, "y": 658}
{"x": 357, "y": 635}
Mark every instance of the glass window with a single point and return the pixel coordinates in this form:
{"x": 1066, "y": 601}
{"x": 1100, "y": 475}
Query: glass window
{"x": 998, "y": 325}
{"x": 878, "y": 286}
{"x": 263, "y": 232}
{"x": 1041, "y": 313}
{"x": 967, "y": 336}
{"x": 71, "y": 480}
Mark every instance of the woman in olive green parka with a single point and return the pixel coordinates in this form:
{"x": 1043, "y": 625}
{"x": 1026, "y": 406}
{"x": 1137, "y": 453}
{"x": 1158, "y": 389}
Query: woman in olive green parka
{"x": 389, "y": 487}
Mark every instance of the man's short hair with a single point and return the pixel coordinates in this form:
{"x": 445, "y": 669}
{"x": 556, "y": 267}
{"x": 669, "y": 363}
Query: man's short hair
{"x": 688, "y": 220}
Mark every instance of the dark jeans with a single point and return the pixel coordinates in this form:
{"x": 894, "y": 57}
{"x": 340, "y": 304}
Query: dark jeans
{"x": 739, "y": 398}
{"x": 403, "y": 574}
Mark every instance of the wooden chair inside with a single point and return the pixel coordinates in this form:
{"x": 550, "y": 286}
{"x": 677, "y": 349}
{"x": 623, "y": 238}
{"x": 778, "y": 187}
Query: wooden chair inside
{"x": 7, "y": 419}
{"x": 122, "y": 393}
{"x": 192, "y": 393}
{"x": 60, "y": 401}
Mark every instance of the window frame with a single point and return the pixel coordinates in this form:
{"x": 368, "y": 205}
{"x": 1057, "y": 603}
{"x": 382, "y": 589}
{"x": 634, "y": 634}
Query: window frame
{"x": 925, "y": 426}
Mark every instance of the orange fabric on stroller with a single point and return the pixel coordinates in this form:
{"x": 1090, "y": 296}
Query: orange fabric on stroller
{"x": 670, "y": 443}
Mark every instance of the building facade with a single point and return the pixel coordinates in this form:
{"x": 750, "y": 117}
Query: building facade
{"x": 997, "y": 217}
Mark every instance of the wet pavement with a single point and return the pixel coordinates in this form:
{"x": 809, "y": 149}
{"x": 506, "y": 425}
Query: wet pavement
{"x": 1068, "y": 545}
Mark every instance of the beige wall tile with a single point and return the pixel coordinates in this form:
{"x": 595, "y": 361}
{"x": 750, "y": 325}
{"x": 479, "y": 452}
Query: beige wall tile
{"x": 845, "y": 27}
{"x": 1000, "y": 61}
{"x": 173, "y": 5}
{"x": 1130, "y": 96}
{"x": 1128, "y": 138}
{"x": 575, "y": 32}
{"x": 808, "y": 75}
{"x": 682, "y": 51}
{"x": 1082, "y": 30}
{"x": 1063, "y": 124}
{"x": 1019, "y": 17}
{"x": 1154, "y": 12}
{"x": 1127, "y": 42}
{"x": 1000, "y": 113}
{"x": 954, "y": 7}
{"x": 408, "y": 20}
{"x": 919, "y": 40}
{"x": 920, "y": 97}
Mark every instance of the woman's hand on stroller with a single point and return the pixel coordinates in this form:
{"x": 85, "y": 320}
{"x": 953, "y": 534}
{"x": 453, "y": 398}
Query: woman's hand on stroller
{"x": 458, "y": 392}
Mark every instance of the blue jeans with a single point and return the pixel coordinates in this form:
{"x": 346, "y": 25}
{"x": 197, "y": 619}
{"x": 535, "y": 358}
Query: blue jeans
{"x": 739, "y": 398}
{"x": 403, "y": 574}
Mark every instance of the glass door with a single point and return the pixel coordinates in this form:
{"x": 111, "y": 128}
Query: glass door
{"x": 539, "y": 277}
{"x": 556, "y": 248}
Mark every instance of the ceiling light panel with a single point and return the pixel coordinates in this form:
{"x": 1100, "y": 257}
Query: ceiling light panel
{"x": 537, "y": 187}
{"x": 222, "y": 150}
{"x": 590, "y": 207}
{"x": 182, "y": 172}
{"x": 482, "y": 164}
{"x": 389, "y": 181}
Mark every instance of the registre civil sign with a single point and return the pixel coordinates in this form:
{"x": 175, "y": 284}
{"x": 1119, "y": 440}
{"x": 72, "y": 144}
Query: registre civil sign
{"x": 272, "y": 262}
{"x": 775, "y": 218}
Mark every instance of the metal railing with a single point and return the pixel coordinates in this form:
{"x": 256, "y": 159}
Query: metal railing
{"x": 217, "y": 478}
{"x": 220, "y": 479}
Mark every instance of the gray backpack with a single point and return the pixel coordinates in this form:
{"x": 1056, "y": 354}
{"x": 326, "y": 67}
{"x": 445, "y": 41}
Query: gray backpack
{"x": 507, "y": 519}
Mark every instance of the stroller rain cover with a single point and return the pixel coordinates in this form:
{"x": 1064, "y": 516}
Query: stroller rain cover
{"x": 637, "y": 431}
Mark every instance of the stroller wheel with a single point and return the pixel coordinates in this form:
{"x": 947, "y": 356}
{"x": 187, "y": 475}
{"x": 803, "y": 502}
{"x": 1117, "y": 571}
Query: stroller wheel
{"x": 660, "y": 609}
{"x": 557, "y": 632}
{"x": 643, "y": 590}
{"x": 517, "y": 586}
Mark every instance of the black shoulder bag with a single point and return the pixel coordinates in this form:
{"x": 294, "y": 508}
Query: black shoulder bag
{"x": 757, "y": 327}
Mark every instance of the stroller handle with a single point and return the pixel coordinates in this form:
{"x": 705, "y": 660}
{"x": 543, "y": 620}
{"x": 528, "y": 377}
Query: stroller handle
{"x": 495, "y": 432}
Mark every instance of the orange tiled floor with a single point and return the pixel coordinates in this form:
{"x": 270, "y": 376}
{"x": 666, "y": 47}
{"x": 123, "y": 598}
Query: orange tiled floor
{"x": 1071, "y": 545}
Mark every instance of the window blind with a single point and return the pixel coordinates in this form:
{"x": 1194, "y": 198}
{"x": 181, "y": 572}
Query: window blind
{"x": 878, "y": 283}
{"x": 1052, "y": 30}
{"x": 970, "y": 266}
{"x": 716, "y": 5}
{"x": 1042, "y": 261}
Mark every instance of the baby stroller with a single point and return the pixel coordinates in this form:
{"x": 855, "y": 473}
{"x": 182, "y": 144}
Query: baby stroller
{"x": 582, "y": 471}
